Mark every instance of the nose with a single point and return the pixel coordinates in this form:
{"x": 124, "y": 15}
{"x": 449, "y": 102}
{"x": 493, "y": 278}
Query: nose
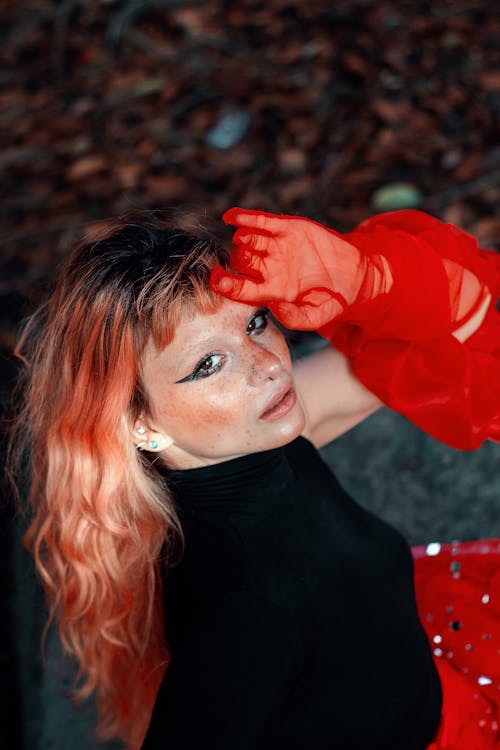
{"x": 264, "y": 365}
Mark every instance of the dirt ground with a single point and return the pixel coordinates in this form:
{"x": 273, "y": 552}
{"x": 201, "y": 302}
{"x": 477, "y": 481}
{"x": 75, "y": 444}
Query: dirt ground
{"x": 309, "y": 107}
{"x": 330, "y": 110}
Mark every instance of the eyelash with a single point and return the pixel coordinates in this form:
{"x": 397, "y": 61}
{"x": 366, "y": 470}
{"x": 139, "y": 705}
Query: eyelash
{"x": 199, "y": 373}
{"x": 263, "y": 313}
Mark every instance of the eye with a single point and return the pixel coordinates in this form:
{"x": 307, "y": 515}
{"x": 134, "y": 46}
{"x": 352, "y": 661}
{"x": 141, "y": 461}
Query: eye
{"x": 208, "y": 366}
{"x": 258, "y": 323}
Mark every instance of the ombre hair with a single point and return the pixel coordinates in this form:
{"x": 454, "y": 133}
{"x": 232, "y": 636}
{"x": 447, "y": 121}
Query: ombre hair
{"x": 103, "y": 523}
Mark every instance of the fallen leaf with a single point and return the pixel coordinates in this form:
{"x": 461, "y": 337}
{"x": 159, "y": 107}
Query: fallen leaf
{"x": 86, "y": 167}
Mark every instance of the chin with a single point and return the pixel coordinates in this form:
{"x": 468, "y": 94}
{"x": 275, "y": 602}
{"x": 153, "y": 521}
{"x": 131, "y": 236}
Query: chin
{"x": 292, "y": 430}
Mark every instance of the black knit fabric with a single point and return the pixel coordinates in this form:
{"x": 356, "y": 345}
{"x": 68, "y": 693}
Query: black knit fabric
{"x": 291, "y": 617}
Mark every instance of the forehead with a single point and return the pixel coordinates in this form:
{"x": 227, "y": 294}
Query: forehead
{"x": 227, "y": 313}
{"x": 198, "y": 328}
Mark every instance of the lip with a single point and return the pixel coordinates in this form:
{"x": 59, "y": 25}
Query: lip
{"x": 285, "y": 400}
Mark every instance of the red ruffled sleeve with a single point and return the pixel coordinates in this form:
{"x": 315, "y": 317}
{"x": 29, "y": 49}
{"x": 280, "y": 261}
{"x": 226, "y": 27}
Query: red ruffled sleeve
{"x": 401, "y": 346}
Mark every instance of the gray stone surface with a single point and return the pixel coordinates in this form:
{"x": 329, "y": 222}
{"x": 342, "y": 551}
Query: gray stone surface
{"x": 426, "y": 489}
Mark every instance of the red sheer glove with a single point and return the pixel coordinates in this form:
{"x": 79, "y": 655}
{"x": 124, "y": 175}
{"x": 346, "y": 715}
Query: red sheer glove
{"x": 305, "y": 273}
{"x": 389, "y": 295}
{"x": 309, "y": 275}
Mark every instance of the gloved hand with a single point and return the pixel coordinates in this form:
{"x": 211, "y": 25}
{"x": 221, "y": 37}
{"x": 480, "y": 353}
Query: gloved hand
{"x": 306, "y": 274}
{"x": 309, "y": 275}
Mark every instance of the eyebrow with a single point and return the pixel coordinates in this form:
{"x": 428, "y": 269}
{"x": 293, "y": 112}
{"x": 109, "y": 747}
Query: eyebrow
{"x": 203, "y": 344}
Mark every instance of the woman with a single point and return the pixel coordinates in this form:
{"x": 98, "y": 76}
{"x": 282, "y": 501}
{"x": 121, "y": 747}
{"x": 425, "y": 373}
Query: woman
{"x": 171, "y": 439}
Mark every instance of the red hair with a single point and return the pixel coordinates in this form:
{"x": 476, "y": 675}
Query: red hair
{"x": 103, "y": 521}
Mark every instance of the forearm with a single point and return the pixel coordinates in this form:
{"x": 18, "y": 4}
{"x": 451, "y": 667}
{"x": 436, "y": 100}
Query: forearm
{"x": 333, "y": 399}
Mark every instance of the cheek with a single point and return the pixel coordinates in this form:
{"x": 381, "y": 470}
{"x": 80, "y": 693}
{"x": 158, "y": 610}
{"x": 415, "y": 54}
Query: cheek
{"x": 212, "y": 411}
{"x": 218, "y": 423}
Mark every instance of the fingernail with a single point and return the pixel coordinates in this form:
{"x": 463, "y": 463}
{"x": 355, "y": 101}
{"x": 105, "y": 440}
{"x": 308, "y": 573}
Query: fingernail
{"x": 229, "y": 215}
{"x": 219, "y": 281}
{"x": 225, "y": 285}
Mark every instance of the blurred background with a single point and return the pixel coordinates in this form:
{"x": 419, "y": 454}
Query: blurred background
{"x": 333, "y": 110}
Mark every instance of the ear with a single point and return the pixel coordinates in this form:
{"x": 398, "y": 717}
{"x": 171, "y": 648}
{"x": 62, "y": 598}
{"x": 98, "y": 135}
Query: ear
{"x": 148, "y": 439}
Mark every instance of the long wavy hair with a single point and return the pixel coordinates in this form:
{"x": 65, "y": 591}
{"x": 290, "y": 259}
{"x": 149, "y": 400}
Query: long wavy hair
{"x": 103, "y": 523}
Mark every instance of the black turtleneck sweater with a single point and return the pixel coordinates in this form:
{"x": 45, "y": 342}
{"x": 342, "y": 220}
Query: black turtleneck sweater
{"x": 291, "y": 618}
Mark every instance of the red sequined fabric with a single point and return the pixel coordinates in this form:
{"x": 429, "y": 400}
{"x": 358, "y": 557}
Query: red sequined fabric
{"x": 458, "y": 597}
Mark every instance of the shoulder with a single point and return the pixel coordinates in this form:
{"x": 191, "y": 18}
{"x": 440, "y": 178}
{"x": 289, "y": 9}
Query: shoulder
{"x": 332, "y": 398}
{"x": 212, "y": 565}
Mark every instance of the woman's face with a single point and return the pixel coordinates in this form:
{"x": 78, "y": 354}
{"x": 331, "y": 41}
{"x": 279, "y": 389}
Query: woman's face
{"x": 222, "y": 388}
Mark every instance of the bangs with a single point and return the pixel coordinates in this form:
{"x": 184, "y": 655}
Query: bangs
{"x": 180, "y": 292}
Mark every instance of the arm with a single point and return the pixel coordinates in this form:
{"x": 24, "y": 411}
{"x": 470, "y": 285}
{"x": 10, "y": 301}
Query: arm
{"x": 229, "y": 675}
{"x": 401, "y": 296}
{"x": 333, "y": 399}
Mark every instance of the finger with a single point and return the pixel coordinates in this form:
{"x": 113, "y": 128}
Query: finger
{"x": 309, "y": 311}
{"x": 322, "y": 297}
{"x": 242, "y": 217}
{"x": 252, "y": 239}
{"x": 305, "y": 317}
{"x": 244, "y": 261}
{"x": 238, "y": 288}
{"x": 289, "y": 315}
